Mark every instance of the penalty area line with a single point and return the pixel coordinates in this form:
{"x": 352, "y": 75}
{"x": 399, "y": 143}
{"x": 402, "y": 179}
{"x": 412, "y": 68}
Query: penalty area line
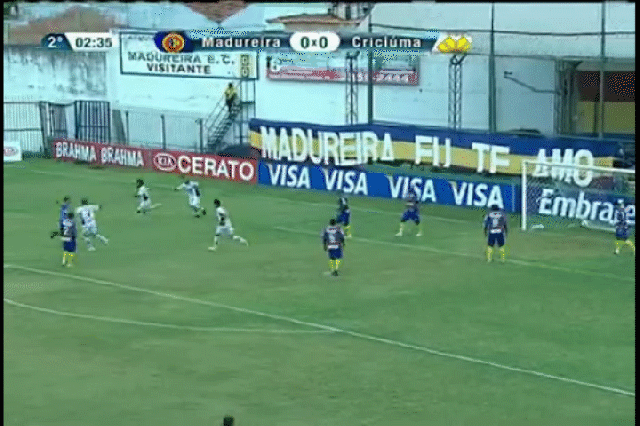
{"x": 468, "y": 255}
{"x": 330, "y": 328}
{"x": 158, "y": 325}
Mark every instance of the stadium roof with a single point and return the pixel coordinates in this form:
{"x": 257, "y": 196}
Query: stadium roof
{"x": 312, "y": 19}
{"x": 218, "y": 11}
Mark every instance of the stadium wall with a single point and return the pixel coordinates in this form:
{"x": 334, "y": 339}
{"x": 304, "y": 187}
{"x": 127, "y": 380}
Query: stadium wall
{"x": 34, "y": 73}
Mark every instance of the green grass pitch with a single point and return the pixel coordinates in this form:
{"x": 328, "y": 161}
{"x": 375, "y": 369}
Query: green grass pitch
{"x": 153, "y": 329}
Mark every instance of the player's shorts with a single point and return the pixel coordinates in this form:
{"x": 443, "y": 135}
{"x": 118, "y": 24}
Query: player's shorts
{"x": 225, "y": 231}
{"x": 410, "y": 215}
{"x": 194, "y": 201}
{"x": 145, "y": 204}
{"x": 496, "y": 239}
{"x": 335, "y": 253}
{"x": 344, "y": 218}
{"x": 623, "y": 233}
{"x": 69, "y": 246}
{"x": 90, "y": 229}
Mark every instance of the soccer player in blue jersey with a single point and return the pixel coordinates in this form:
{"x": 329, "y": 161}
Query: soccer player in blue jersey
{"x": 343, "y": 216}
{"x": 622, "y": 228}
{"x": 412, "y": 213}
{"x": 69, "y": 236}
{"x": 333, "y": 242}
{"x": 64, "y": 209}
{"x": 193, "y": 191}
{"x": 495, "y": 228}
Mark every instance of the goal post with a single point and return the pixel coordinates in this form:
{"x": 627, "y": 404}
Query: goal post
{"x": 567, "y": 195}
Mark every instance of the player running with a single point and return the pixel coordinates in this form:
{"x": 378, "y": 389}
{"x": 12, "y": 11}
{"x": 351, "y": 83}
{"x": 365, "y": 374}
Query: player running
{"x": 145, "y": 199}
{"x": 622, "y": 228}
{"x": 495, "y": 228}
{"x": 343, "y": 216}
{"x": 333, "y": 242}
{"x": 193, "y": 190}
{"x": 64, "y": 209}
{"x": 69, "y": 235}
{"x": 86, "y": 212}
{"x": 224, "y": 227}
{"x": 411, "y": 213}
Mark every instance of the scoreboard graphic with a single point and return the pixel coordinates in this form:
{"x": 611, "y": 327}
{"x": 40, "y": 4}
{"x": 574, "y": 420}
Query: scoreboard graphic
{"x": 305, "y": 42}
{"x": 301, "y": 56}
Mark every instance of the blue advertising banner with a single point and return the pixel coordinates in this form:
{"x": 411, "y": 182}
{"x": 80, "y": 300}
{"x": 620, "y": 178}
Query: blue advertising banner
{"x": 363, "y": 143}
{"x": 576, "y": 203}
{"x": 357, "y": 182}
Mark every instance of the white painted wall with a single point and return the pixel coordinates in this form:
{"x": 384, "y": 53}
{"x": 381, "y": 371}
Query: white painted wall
{"x": 39, "y": 74}
{"x": 64, "y": 77}
{"x": 518, "y": 107}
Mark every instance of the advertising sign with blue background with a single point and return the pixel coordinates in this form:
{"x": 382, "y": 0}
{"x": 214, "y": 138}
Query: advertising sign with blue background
{"x": 429, "y": 190}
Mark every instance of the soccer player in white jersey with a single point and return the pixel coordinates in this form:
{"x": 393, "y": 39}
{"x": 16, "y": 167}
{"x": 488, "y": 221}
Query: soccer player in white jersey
{"x": 224, "y": 227}
{"x": 143, "y": 196}
{"x": 86, "y": 212}
{"x": 193, "y": 191}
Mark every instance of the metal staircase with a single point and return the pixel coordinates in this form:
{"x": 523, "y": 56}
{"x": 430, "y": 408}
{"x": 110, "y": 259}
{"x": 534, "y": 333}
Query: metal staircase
{"x": 221, "y": 120}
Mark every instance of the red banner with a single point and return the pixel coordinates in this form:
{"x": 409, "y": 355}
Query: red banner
{"x": 101, "y": 154}
{"x": 204, "y": 165}
{"x": 180, "y": 162}
{"x": 397, "y": 77}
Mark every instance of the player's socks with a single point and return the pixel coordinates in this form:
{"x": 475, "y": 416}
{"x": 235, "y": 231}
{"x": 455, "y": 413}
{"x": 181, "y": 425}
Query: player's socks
{"x": 502, "y": 254}
{"x": 337, "y": 264}
{"x": 399, "y": 234}
{"x": 64, "y": 258}
{"x": 240, "y": 240}
{"x": 630, "y": 244}
{"x": 102, "y": 238}
{"x": 70, "y": 261}
{"x": 347, "y": 230}
{"x": 489, "y": 253}
{"x": 617, "y": 250}
{"x": 331, "y": 268}
{"x": 419, "y": 234}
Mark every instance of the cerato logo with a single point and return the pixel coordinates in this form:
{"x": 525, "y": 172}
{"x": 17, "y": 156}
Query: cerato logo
{"x": 165, "y": 162}
{"x": 10, "y": 151}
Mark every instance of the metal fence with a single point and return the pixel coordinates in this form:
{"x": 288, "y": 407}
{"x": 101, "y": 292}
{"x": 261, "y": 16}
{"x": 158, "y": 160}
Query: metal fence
{"x": 34, "y": 124}
{"x": 23, "y": 123}
{"x": 158, "y": 129}
{"x": 605, "y": 106}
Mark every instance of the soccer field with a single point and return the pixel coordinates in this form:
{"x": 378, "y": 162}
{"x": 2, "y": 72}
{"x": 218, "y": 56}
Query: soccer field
{"x": 153, "y": 329}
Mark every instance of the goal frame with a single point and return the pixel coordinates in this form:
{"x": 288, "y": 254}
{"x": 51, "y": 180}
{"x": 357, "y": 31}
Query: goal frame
{"x": 524, "y": 181}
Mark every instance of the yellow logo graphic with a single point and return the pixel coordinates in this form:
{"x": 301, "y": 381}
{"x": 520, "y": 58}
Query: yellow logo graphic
{"x": 449, "y": 45}
{"x": 173, "y": 43}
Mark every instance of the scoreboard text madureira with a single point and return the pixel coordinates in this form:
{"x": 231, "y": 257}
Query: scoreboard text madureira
{"x": 240, "y": 42}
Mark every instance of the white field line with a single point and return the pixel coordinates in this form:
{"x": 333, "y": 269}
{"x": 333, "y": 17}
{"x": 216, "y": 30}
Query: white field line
{"x": 329, "y": 328}
{"x": 160, "y": 325}
{"x": 435, "y": 250}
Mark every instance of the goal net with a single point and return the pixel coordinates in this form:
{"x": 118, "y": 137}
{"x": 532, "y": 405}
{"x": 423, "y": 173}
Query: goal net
{"x": 562, "y": 196}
